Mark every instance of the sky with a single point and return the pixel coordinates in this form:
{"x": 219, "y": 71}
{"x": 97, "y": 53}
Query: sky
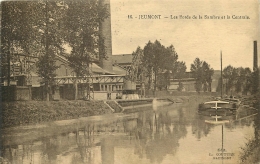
{"x": 192, "y": 38}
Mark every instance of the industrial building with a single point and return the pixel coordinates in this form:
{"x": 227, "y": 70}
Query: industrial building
{"x": 104, "y": 76}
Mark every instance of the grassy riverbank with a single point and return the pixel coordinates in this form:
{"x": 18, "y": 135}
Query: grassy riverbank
{"x": 18, "y": 113}
{"x": 33, "y": 112}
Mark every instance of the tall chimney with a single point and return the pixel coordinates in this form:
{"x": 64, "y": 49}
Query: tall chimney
{"x": 256, "y": 81}
{"x": 255, "y": 66}
{"x": 105, "y": 30}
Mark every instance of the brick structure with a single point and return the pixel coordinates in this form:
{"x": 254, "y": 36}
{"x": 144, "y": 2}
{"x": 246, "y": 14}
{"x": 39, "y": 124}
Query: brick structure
{"x": 105, "y": 30}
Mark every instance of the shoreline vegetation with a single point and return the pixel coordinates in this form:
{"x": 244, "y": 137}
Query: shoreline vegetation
{"x": 22, "y": 113}
{"x": 19, "y": 113}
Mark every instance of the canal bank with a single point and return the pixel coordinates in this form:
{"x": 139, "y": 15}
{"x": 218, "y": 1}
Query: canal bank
{"x": 20, "y": 113}
{"x": 36, "y": 112}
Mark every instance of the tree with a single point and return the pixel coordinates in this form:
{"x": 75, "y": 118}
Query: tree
{"x": 179, "y": 72}
{"x": 255, "y": 81}
{"x": 230, "y": 75}
{"x": 243, "y": 80}
{"x": 248, "y": 81}
{"x": 239, "y": 80}
{"x": 82, "y": 22}
{"x": 152, "y": 57}
{"x": 207, "y": 76}
{"x": 197, "y": 72}
{"x": 138, "y": 69}
{"x": 17, "y": 36}
{"x": 158, "y": 60}
{"x": 179, "y": 69}
{"x": 203, "y": 75}
{"x": 157, "y": 64}
{"x": 33, "y": 29}
{"x": 49, "y": 37}
{"x": 15, "y": 32}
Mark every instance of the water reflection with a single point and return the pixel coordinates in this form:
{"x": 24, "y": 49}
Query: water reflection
{"x": 169, "y": 134}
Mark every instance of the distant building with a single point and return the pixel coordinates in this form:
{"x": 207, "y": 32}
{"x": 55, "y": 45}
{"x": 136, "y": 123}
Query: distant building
{"x": 188, "y": 82}
{"x": 123, "y": 60}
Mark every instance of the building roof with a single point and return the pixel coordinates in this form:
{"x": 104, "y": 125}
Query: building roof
{"x": 119, "y": 71}
{"x": 116, "y": 70}
{"x": 122, "y": 59}
{"x": 96, "y": 69}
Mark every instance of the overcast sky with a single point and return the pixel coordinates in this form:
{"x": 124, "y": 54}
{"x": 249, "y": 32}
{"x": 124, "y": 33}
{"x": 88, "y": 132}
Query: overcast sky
{"x": 203, "y": 38}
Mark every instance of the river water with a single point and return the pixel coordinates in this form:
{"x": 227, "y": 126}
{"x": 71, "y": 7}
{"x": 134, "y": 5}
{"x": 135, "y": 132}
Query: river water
{"x": 169, "y": 134}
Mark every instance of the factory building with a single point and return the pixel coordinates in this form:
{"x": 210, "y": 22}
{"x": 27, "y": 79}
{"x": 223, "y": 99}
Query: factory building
{"x": 105, "y": 76}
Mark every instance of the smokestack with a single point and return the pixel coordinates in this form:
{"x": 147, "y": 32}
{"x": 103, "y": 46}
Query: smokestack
{"x": 256, "y": 81}
{"x": 255, "y": 66}
{"x": 105, "y": 30}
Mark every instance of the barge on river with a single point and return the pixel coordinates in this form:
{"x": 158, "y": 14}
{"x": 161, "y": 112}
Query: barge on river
{"x": 217, "y": 107}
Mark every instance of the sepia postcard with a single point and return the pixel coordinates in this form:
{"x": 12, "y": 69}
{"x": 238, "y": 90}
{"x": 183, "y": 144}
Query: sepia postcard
{"x": 130, "y": 82}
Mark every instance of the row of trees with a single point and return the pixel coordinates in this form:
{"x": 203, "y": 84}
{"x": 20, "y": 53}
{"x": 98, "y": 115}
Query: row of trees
{"x": 239, "y": 80}
{"x": 42, "y": 28}
{"x": 160, "y": 60}
{"x": 159, "y": 64}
